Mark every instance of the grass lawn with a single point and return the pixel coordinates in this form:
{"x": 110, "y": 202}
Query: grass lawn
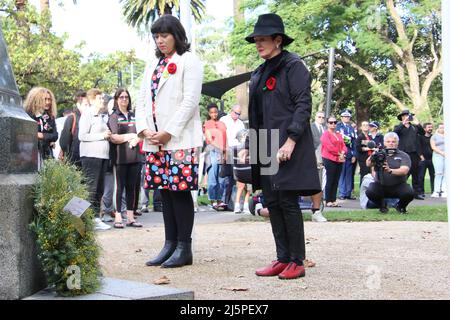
{"x": 356, "y": 186}
{"x": 436, "y": 213}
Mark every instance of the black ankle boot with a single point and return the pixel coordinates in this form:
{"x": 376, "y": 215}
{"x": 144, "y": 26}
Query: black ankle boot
{"x": 181, "y": 256}
{"x": 166, "y": 252}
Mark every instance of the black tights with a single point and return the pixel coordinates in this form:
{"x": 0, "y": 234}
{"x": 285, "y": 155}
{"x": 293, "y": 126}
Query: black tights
{"x": 178, "y": 214}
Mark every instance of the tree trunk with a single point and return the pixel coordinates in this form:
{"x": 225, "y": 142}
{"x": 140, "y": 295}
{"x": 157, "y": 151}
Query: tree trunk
{"x": 167, "y": 9}
{"x": 241, "y": 90}
{"x": 362, "y": 112}
{"x": 45, "y": 5}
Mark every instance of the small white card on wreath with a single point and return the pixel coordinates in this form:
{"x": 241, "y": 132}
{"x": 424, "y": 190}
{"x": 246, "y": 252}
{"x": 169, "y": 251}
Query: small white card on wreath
{"x": 77, "y": 206}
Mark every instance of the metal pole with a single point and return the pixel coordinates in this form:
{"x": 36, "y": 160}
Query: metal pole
{"x": 132, "y": 74}
{"x": 446, "y": 90}
{"x": 330, "y": 82}
{"x": 185, "y": 17}
{"x": 119, "y": 78}
{"x": 222, "y": 105}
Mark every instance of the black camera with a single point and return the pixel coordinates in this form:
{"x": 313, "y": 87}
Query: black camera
{"x": 378, "y": 158}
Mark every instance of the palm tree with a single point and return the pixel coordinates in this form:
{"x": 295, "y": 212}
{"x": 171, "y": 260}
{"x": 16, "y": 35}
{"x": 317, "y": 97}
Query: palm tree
{"x": 142, "y": 12}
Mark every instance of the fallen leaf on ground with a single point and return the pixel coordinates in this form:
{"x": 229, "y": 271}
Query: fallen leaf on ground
{"x": 162, "y": 280}
{"x": 235, "y": 289}
{"x": 138, "y": 250}
{"x": 209, "y": 260}
{"x": 309, "y": 263}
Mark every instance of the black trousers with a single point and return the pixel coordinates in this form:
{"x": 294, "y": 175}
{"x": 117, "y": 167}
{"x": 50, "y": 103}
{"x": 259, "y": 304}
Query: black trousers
{"x": 414, "y": 171}
{"x": 287, "y": 222}
{"x": 127, "y": 176}
{"x": 94, "y": 170}
{"x": 377, "y": 192}
{"x": 363, "y": 170}
{"x": 423, "y": 166}
{"x": 178, "y": 214}
{"x": 333, "y": 172}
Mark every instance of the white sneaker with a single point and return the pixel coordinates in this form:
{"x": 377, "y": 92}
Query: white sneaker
{"x": 246, "y": 209}
{"x": 99, "y": 225}
{"x": 443, "y": 194}
{"x": 107, "y": 218}
{"x": 237, "y": 208}
{"x": 435, "y": 195}
{"x": 258, "y": 207}
{"x": 318, "y": 217}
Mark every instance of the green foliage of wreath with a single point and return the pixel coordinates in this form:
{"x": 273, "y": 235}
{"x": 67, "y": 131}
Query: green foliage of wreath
{"x": 67, "y": 248}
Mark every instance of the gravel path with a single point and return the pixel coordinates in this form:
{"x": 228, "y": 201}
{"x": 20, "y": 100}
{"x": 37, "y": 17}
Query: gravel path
{"x": 359, "y": 260}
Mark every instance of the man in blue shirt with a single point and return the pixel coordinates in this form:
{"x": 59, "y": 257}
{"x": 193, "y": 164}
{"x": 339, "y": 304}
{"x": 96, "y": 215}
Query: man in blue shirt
{"x": 346, "y": 179}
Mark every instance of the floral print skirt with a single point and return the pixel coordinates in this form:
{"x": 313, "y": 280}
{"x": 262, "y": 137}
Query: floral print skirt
{"x": 175, "y": 170}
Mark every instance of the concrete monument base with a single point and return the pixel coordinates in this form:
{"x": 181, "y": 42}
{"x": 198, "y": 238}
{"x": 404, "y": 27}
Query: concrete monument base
{"x": 115, "y": 289}
{"x": 21, "y": 274}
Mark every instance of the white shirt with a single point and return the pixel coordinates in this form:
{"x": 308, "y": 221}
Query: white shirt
{"x": 233, "y": 127}
{"x": 59, "y": 127}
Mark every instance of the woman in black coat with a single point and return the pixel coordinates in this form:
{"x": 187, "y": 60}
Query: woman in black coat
{"x": 279, "y": 114}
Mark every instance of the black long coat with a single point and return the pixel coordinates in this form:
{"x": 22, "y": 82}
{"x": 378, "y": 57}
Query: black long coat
{"x": 287, "y": 108}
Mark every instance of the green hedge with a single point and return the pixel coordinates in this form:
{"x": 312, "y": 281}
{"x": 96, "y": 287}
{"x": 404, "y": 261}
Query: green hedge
{"x": 66, "y": 244}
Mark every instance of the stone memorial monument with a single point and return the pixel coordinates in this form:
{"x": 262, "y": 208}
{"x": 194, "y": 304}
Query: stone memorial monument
{"x": 20, "y": 272}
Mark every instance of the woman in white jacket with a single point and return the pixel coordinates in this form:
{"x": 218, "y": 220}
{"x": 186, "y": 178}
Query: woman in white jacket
{"x": 168, "y": 118}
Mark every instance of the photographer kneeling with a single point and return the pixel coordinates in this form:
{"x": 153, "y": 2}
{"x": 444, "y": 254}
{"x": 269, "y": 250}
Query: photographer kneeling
{"x": 391, "y": 168}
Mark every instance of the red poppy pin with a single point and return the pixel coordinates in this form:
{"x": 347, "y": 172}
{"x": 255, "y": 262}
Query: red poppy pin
{"x": 270, "y": 84}
{"x": 172, "y": 68}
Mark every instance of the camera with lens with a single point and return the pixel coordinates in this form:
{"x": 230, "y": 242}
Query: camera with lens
{"x": 379, "y": 158}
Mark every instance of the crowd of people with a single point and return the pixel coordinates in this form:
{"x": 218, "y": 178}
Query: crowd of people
{"x": 341, "y": 148}
{"x": 159, "y": 144}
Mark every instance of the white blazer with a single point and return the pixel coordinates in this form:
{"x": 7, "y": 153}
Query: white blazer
{"x": 177, "y": 103}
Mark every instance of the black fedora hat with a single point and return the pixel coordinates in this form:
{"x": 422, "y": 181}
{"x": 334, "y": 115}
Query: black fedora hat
{"x": 404, "y": 112}
{"x": 267, "y": 25}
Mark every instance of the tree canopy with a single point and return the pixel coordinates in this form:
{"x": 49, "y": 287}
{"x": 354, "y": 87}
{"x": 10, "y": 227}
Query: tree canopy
{"x": 39, "y": 57}
{"x": 388, "y": 53}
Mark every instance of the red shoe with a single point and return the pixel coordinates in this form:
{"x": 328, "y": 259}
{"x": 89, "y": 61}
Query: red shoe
{"x": 292, "y": 271}
{"x": 275, "y": 268}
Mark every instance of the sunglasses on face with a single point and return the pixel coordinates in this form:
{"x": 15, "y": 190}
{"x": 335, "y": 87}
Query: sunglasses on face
{"x": 320, "y": 117}
{"x": 332, "y": 122}
{"x": 237, "y": 113}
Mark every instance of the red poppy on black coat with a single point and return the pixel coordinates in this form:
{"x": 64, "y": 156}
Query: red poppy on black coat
{"x": 271, "y": 83}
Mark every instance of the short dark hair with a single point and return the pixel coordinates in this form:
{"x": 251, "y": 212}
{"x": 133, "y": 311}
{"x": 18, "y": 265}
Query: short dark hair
{"x": 212, "y": 105}
{"x": 169, "y": 24}
{"x": 119, "y": 91}
{"x": 427, "y": 124}
{"x": 79, "y": 95}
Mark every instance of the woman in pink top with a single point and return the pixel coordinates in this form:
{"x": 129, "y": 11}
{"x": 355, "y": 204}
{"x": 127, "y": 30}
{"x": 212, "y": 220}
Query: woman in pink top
{"x": 333, "y": 155}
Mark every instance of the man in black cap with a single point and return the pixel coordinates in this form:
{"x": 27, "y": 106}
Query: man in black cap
{"x": 409, "y": 142}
